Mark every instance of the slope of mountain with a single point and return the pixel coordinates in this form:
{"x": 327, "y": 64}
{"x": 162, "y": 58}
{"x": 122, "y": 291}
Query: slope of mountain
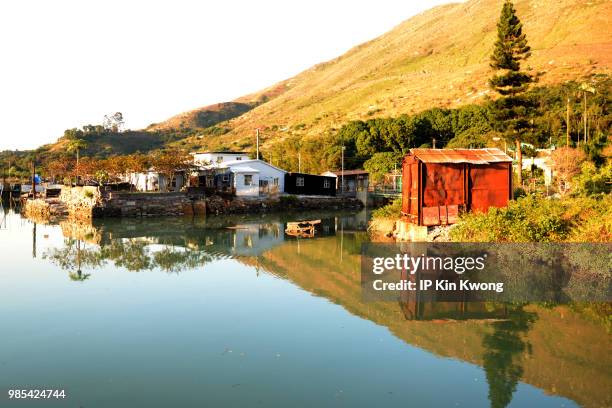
{"x": 437, "y": 58}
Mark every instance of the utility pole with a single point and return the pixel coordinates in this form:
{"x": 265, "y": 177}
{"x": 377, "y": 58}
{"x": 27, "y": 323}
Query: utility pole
{"x": 257, "y": 136}
{"x": 342, "y": 174}
{"x": 34, "y": 179}
{"x": 434, "y": 143}
{"x": 567, "y": 123}
{"x": 584, "y": 115}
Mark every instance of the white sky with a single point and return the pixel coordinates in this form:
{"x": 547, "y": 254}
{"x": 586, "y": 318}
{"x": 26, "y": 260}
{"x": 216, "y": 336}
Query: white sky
{"x": 66, "y": 63}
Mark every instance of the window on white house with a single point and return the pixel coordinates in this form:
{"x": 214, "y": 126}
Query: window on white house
{"x": 326, "y": 184}
{"x": 238, "y": 158}
{"x": 248, "y": 179}
{"x": 275, "y": 182}
{"x": 299, "y": 181}
{"x": 219, "y": 159}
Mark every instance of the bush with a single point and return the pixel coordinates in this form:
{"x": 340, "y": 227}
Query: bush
{"x": 536, "y": 219}
{"x": 518, "y": 192}
{"x": 391, "y": 210}
{"x": 593, "y": 181}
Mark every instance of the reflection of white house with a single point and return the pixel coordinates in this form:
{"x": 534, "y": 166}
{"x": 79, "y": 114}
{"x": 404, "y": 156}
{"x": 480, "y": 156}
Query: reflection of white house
{"x": 217, "y": 158}
{"x": 255, "y": 177}
{"x": 543, "y": 161}
{"x": 254, "y": 239}
{"x": 154, "y": 181}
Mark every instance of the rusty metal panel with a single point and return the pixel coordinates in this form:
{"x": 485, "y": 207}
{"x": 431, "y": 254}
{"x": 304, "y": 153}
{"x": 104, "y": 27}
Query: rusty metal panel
{"x": 473, "y": 156}
{"x": 440, "y": 215}
{"x": 410, "y": 187}
{"x": 489, "y": 186}
{"x": 443, "y": 185}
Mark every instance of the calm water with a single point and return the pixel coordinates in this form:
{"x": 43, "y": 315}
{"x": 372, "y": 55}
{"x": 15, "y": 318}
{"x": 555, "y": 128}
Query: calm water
{"x": 231, "y": 312}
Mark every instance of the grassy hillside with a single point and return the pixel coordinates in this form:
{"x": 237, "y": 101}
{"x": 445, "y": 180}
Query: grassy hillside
{"x": 437, "y": 58}
{"x": 205, "y": 117}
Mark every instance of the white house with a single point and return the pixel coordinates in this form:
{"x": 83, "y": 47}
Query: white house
{"x": 217, "y": 158}
{"x": 253, "y": 177}
{"x": 153, "y": 181}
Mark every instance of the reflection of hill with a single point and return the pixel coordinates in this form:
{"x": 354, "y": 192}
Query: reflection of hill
{"x": 556, "y": 352}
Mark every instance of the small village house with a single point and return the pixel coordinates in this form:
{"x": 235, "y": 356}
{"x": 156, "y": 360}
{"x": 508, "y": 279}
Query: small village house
{"x": 439, "y": 183}
{"x": 310, "y": 184}
{"x": 253, "y": 178}
{"x": 354, "y": 181}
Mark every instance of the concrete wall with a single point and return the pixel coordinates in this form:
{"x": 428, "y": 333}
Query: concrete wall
{"x": 246, "y": 191}
{"x": 125, "y": 204}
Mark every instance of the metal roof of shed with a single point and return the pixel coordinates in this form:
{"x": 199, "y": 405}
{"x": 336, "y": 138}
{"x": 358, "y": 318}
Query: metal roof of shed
{"x": 473, "y": 156}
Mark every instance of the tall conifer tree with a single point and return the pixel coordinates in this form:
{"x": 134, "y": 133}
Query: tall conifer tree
{"x": 509, "y": 81}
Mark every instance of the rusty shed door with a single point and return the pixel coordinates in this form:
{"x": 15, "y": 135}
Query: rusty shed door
{"x": 489, "y": 186}
{"x": 443, "y": 192}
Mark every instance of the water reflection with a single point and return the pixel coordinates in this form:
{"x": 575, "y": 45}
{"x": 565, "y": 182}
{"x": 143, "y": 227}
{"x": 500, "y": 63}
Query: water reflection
{"x": 541, "y": 345}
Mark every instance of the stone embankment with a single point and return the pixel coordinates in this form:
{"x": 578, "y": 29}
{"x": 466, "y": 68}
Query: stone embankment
{"x": 44, "y": 208}
{"x": 90, "y": 202}
{"x": 218, "y": 205}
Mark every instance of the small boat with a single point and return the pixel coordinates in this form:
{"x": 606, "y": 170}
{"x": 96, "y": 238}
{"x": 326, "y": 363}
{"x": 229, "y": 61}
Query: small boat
{"x": 302, "y": 229}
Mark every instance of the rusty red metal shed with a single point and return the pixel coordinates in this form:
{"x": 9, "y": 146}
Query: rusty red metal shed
{"x": 439, "y": 183}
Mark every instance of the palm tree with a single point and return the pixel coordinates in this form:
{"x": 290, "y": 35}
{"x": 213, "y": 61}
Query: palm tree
{"x": 75, "y": 145}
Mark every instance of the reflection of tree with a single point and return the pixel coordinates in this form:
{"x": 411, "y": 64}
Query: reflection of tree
{"x": 131, "y": 254}
{"x": 504, "y": 347}
{"x": 78, "y": 276}
{"x": 172, "y": 260}
{"x": 73, "y": 257}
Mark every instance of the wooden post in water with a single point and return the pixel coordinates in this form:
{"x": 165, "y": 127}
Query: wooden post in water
{"x": 257, "y": 136}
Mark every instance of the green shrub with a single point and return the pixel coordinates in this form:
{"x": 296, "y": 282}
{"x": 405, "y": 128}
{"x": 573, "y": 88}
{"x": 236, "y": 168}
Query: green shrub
{"x": 519, "y": 192}
{"x": 391, "y": 210}
{"x": 536, "y": 219}
{"x": 593, "y": 181}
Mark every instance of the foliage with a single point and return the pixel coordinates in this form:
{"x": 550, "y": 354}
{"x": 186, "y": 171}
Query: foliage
{"x": 536, "y": 219}
{"x": 382, "y": 163}
{"x": 567, "y": 162}
{"x": 391, "y": 210}
{"x": 171, "y": 161}
{"x": 113, "y": 122}
{"x": 592, "y": 180}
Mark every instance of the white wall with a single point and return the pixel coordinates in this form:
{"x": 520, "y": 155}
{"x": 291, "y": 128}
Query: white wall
{"x": 269, "y": 172}
{"x": 152, "y": 181}
{"x": 246, "y": 191}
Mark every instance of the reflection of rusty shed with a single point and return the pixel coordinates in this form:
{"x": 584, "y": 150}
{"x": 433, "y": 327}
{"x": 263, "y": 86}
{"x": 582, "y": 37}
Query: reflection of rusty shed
{"x": 439, "y": 183}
